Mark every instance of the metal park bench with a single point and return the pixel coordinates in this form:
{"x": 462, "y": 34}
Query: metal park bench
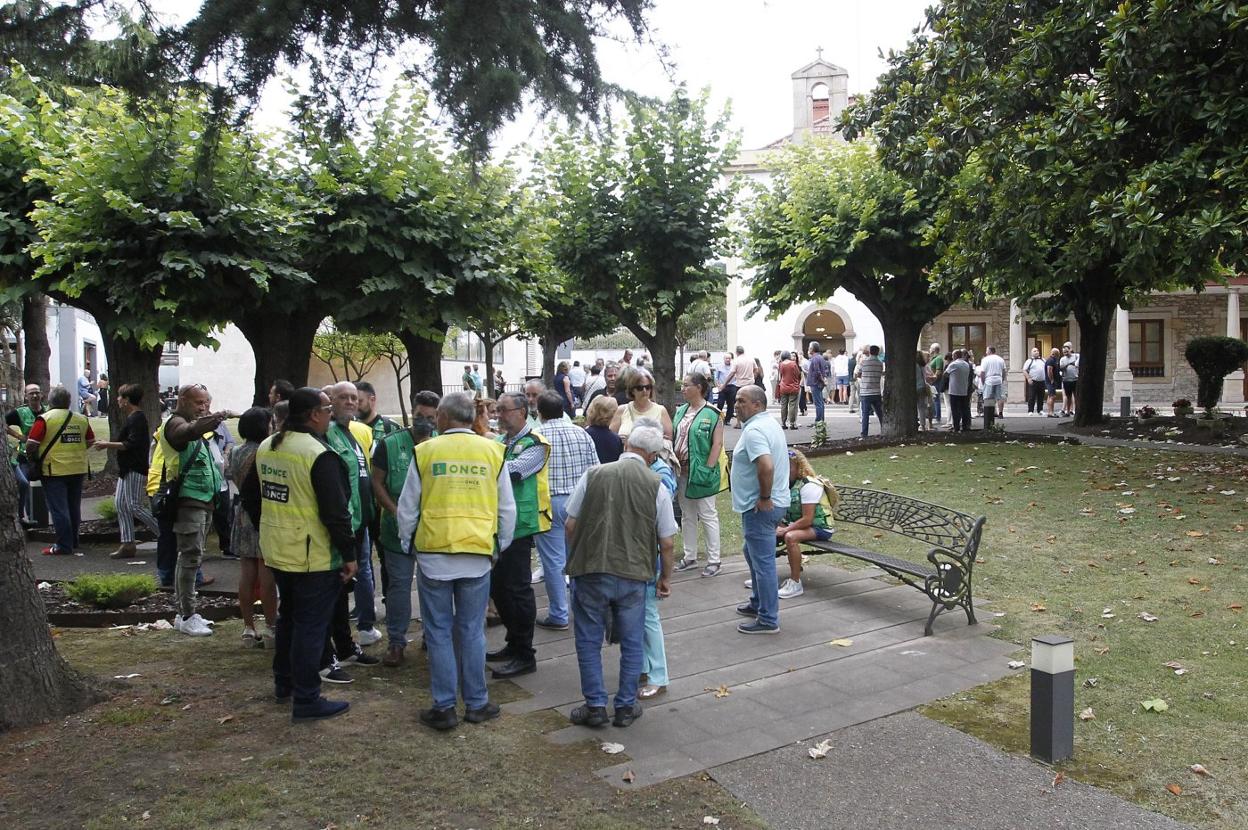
{"x": 954, "y": 537}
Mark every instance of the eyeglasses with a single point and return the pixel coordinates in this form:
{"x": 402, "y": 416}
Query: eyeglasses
{"x": 329, "y": 407}
{"x": 645, "y": 388}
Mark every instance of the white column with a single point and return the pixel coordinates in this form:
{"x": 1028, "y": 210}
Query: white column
{"x": 1124, "y": 381}
{"x": 1233, "y": 384}
{"x": 1016, "y": 381}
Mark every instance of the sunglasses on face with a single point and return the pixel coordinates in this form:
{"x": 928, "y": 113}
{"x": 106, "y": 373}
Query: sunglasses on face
{"x": 646, "y": 388}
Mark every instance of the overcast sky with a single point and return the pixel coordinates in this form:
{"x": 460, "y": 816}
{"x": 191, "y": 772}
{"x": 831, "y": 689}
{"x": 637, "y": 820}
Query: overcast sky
{"x": 744, "y": 50}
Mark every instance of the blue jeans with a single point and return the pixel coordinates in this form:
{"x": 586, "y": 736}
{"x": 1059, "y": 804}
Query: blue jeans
{"x": 654, "y": 655}
{"x": 553, "y": 554}
{"x": 759, "y": 530}
{"x": 400, "y": 567}
{"x": 816, "y": 392}
{"x": 453, "y": 614}
{"x": 305, "y": 604}
{"x": 869, "y": 404}
{"x": 64, "y": 497}
{"x": 364, "y": 601}
{"x": 23, "y": 493}
{"x": 594, "y": 596}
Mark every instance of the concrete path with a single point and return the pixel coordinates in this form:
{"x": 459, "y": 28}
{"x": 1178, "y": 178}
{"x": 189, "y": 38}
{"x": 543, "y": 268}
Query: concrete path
{"x": 732, "y": 696}
{"x": 906, "y": 771}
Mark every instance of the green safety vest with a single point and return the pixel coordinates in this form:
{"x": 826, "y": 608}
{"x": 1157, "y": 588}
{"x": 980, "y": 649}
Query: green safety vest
{"x": 382, "y": 427}
{"x": 822, "y": 510}
{"x": 292, "y": 536}
{"x": 701, "y": 480}
{"x": 342, "y": 443}
{"x": 533, "y": 493}
{"x": 27, "y": 416}
{"x": 399, "y": 450}
{"x": 203, "y": 477}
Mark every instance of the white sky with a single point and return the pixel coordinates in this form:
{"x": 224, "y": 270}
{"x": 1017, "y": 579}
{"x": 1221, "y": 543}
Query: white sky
{"x": 744, "y": 50}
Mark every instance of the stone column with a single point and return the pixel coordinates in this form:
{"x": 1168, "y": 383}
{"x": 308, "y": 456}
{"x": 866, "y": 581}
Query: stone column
{"x": 1016, "y": 381}
{"x": 1233, "y": 384}
{"x": 1124, "y": 381}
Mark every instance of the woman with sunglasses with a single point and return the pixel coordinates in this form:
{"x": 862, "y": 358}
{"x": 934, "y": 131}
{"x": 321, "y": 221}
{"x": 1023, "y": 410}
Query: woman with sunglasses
{"x": 641, "y": 405}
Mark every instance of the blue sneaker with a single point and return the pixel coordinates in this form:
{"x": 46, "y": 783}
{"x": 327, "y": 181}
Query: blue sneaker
{"x": 747, "y": 610}
{"x": 319, "y": 710}
{"x": 757, "y": 627}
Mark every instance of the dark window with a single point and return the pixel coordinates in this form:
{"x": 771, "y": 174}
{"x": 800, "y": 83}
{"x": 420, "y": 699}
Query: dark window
{"x": 973, "y": 336}
{"x": 1148, "y": 338}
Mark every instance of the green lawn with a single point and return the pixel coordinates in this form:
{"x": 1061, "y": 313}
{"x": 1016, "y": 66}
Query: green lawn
{"x": 1085, "y": 542}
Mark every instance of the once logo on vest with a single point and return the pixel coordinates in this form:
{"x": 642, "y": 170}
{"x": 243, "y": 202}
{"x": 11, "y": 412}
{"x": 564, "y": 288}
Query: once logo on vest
{"x": 71, "y": 437}
{"x": 459, "y": 469}
{"x": 275, "y": 492}
{"x": 276, "y": 472}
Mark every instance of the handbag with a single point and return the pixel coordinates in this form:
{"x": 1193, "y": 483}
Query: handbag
{"x": 165, "y": 499}
{"x": 34, "y": 471}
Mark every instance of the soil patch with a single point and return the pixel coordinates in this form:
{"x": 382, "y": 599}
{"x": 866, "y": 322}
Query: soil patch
{"x": 64, "y": 611}
{"x": 1226, "y": 432}
{"x": 931, "y": 438}
{"x": 100, "y": 484}
{"x": 92, "y": 530}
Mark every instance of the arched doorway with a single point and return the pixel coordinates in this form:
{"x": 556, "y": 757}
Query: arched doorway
{"x": 827, "y": 324}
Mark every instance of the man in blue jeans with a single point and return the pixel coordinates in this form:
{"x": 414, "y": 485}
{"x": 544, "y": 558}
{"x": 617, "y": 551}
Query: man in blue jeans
{"x": 760, "y": 493}
{"x": 870, "y": 372}
{"x": 455, "y": 513}
{"x": 616, "y": 516}
{"x": 817, "y": 374}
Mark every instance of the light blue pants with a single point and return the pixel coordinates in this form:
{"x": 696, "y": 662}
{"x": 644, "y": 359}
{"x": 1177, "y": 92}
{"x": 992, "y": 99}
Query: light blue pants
{"x": 654, "y": 655}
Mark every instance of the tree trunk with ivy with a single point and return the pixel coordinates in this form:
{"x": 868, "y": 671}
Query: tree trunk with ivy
{"x": 36, "y": 684}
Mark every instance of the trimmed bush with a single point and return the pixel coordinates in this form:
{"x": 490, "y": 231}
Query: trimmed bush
{"x": 107, "y": 509}
{"x": 111, "y": 590}
{"x": 1212, "y": 359}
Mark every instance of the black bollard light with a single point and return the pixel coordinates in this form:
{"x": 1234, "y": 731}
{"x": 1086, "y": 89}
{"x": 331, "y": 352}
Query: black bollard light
{"x": 1052, "y": 698}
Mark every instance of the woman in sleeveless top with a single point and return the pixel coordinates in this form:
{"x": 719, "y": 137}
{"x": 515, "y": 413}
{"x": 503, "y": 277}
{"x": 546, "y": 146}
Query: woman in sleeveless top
{"x": 641, "y": 405}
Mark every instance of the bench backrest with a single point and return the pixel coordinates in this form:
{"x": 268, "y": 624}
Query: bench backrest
{"x": 931, "y": 523}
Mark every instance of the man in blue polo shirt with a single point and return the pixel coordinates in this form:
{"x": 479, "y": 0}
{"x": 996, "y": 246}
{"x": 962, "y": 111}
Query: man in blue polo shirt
{"x": 760, "y": 493}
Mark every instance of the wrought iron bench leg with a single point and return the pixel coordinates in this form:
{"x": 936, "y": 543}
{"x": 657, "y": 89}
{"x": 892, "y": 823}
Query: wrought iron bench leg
{"x": 937, "y": 607}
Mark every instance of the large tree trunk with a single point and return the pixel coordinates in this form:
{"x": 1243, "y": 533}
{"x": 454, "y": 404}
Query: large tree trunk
{"x": 663, "y": 359}
{"x": 36, "y": 684}
{"x": 35, "y": 334}
{"x": 487, "y": 341}
{"x": 901, "y": 338}
{"x": 282, "y": 344}
{"x": 1094, "y": 325}
{"x": 424, "y": 360}
{"x": 550, "y": 347}
{"x": 129, "y": 362}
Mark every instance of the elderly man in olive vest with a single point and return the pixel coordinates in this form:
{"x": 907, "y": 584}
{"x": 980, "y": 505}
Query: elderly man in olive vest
{"x": 617, "y": 517}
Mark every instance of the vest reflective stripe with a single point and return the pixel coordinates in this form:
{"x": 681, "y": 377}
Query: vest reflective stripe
{"x": 292, "y": 537}
{"x": 69, "y": 456}
{"x": 203, "y": 478}
{"x": 399, "y": 451}
{"x": 458, "y": 494}
{"x": 533, "y": 493}
{"x": 701, "y": 481}
{"x": 822, "y": 510}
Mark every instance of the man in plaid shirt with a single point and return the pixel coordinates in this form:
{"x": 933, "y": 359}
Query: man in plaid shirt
{"x": 571, "y": 454}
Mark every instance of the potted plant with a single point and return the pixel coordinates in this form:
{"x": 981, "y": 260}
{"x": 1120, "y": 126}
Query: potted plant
{"x": 1182, "y": 408}
{"x": 1146, "y": 415}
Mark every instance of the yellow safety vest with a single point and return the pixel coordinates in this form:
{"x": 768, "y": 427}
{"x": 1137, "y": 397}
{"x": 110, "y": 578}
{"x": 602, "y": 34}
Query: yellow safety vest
{"x": 292, "y": 537}
{"x": 68, "y": 457}
{"x": 458, "y": 494}
{"x": 157, "y": 464}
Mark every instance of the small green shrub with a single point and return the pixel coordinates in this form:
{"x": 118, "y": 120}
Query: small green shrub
{"x": 107, "y": 509}
{"x": 111, "y": 590}
{"x": 1213, "y": 358}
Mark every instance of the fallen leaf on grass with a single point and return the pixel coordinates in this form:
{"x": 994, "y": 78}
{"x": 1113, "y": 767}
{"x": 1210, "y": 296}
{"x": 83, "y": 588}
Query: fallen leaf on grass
{"x": 629, "y": 777}
{"x": 1175, "y": 789}
{"x": 1235, "y": 606}
{"x": 1087, "y": 714}
{"x": 1091, "y": 681}
{"x": 1199, "y": 769}
{"x": 224, "y": 720}
{"x": 1102, "y": 651}
{"x": 1059, "y": 778}
{"x": 1227, "y": 492}
{"x": 1155, "y": 705}
{"x": 843, "y": 642}
{"x": 1127, "y": 511}
{"x": 710, "y": 820}
{"x": 1108, "y": 614}
{"x": 147, "y": 814}
{"x": 612, "y": 749}
{"x": 722, "y": 691}
{"x": 1038, "y": 607}
{"x": 126, "y": 676}
{"x": 1147, "y": 617}
{"x": 1196, "y": 534}
{"x": 1191, "y": 580}
{"x": 820, "y": 750}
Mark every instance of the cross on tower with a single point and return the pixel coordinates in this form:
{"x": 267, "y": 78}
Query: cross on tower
{"x": 819, "y": 52}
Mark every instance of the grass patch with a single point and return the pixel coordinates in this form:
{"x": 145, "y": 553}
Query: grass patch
{"x": 196, "y": 741}
{"x": 111, "y": 590}
{"x": 1086, "y": 541}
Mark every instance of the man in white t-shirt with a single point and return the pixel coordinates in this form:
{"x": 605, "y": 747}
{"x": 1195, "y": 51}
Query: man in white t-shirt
{"x": 992, "y": 377}
{"x": 1033, "y": 368}
{"x": 702, "y": 365}
{"x": 840, "y": 371}
{"x": 577, "y": 377}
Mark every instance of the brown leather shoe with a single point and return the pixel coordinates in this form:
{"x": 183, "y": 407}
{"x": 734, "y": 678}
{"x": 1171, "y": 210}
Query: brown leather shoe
{"x": 394, "y": 657}
{"x": 650, "y": 690}
{"x": 128, "y": 550}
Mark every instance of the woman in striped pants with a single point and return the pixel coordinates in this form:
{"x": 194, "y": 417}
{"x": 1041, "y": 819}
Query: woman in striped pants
{"x": 132, "y": 445}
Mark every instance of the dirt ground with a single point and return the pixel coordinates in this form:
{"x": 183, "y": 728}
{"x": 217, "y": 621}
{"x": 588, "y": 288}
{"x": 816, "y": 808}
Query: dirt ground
{"x": 1169, "y": 429}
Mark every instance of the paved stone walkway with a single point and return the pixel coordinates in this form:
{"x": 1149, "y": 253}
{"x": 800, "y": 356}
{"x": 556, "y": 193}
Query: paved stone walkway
{"x": 780, "y": 689}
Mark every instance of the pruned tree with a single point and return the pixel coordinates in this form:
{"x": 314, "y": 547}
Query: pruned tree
{"x": 347, "y": 355}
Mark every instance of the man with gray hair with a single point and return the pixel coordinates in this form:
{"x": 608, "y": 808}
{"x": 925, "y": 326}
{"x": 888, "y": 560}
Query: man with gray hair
{"x": 617, "y": 516}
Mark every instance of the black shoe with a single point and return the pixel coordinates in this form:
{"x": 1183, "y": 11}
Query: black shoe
{"x": 625, "y": 717}
{"x": 281, "y": 695}
{"x": 487, "y": 712}
{"x": 515, "y": 668}
{"x": 747, "y": 610}
{"x": 229, "y": 554}
{"x": 594, "y": 716}
{"x": 319, "y": 710}
{"x": 440, "y": 719}
{"x": 336, "y": 675}
{"x": 362, "y": 658}
{"x": 499, "y": 656}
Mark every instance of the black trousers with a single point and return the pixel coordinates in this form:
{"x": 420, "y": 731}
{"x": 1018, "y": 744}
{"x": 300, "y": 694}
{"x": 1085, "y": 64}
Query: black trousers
{"x": 305, "y": 603}
{"x": 336, "y": 641}
{"x": 960, "y": 406}
{"x": 512, "y": 592}
{"x": 1035, "y": 388}
{"x": 223, "y": 519}
{"x": 730, "y": 400}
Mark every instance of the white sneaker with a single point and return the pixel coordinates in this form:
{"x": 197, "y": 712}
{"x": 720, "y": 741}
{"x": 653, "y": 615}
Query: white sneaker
{"x": 791, "y": 588}
{"x": 749, "y": 583}
{"x": 538, "y": 576}
{"x": 250, "y": 640}
{"x": 367, "y": 636}
{"x": 194, "y": 626}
